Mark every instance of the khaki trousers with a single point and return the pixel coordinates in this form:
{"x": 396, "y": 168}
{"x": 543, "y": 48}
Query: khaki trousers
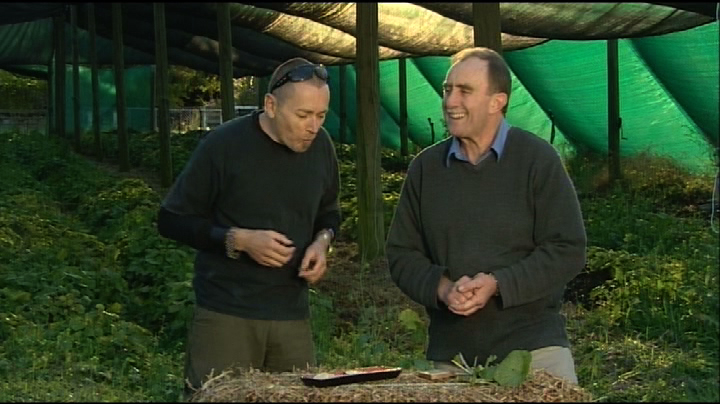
{"x": 218, "y": 341}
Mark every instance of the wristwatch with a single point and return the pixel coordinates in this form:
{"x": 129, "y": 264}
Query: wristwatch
{"x": 230, "y": 250}
{"x": 326, "y": 235}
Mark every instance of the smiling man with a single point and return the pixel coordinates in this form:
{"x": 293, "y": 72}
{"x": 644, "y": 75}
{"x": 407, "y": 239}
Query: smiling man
{"x": 488, "y": 229}
{"x": 258, "y": 200}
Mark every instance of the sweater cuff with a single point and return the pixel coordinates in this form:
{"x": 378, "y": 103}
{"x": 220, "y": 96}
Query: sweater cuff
{"x": 502, "y": 280}
{"x": 217, "y": 236}
{"x": 436, "y": 273}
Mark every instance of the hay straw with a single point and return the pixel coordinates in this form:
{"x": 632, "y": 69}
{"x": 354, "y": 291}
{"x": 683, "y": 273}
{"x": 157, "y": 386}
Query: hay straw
{"x": 256, "y": 386}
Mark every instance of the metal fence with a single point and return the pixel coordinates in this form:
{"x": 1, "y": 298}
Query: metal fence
{"x": 23, "y": 121}
{"x": 181, "y": 119}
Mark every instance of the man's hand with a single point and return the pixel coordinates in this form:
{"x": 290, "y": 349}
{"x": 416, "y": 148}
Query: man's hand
{"x": 449, "y": 293}
{"x": 267, "y": 247}
{"x": 468, "y": 295}
{"x": 314, "y": 263}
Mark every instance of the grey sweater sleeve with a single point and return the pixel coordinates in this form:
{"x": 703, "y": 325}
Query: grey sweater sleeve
{"x": 410, "y": 268}
{"x": 559, "y": 235}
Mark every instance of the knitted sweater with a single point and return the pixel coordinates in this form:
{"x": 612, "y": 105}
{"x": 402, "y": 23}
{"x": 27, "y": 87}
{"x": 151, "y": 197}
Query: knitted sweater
{"x": 517, "y": 217}
{"x": 238, "y": 176}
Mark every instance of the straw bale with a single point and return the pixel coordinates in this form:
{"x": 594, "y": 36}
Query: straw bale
{"x": 257, "y": 386}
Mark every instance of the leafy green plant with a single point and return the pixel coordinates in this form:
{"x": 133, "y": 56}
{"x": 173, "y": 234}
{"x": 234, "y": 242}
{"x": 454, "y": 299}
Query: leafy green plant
{"x": 73, "y": 237}
{"x": 510, "y": 372}
{"x": 21, "y": 92}
{"x": 416, "y": 327}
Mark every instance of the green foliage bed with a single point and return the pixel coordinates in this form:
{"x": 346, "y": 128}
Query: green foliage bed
{"x": 94, "y": 303}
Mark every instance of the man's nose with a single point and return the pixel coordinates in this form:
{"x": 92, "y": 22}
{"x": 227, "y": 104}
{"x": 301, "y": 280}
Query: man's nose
{"x": 314, "y": 124}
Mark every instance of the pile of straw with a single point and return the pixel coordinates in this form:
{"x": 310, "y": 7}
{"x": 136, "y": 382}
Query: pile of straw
{"x": 255, "y": 386}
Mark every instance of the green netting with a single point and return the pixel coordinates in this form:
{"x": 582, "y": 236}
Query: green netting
{"x": 138, "y": 87}
{"x": 30, "y": 43}
{"x": 424, "y": 104}
{"x": 389, "y": 130}
{"x": 26, "y": 43}
{"x": 570, "y": 78}
{"x": 686, "y": 63}
{"x": 669, "y": 88}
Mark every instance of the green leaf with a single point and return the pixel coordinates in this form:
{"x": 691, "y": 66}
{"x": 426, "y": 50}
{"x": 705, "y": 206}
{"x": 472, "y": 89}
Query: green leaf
{"x": 21, "y": 296}
{"x": 514, "y": 369}
{"x": 490, "y": 359}
{"x": 422, "y": 364}
{"x": 76, "y": 323}
{"x": 410, "y": 319}
{"x": 488, "y": 373}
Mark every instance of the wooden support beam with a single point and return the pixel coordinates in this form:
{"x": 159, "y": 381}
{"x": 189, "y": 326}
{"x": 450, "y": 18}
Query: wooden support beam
{"x": 119, "y": 64}
{"x": 370, "y": 202}
{"x": 486, "y": 25}
{"x": 162, "y": 82}
{"x": 152, "y": 116}
{"x": 342, "y": 135}
{"x": 76, "y": 77}
{"x": 402, "y": 70}
{"x": 59, "y": 26}
{"x": 226, "y": 63}
{"x": 613, "y": 111}
{"x": 50, "y": 121}
{"x": 262, "y": 87}
{"x": 94, "y": 81}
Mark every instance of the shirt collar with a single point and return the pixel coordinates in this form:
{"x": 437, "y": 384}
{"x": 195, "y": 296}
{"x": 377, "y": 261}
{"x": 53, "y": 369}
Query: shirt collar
{"x": 497, "y": 146}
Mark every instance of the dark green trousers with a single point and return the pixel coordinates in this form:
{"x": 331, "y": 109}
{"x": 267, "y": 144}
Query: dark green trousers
{"x": 218, "y": 341}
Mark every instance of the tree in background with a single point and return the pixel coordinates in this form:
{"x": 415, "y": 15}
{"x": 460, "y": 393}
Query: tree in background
{"x": 192, "y": 88}
{"x": 21, "y": 92}
{"x": 188, "y": 88}
{"x": 246, "y": 90}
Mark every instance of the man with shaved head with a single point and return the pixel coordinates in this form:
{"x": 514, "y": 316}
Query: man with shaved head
{"x": 488, "y": 230}
{"x": 258, "y": 200}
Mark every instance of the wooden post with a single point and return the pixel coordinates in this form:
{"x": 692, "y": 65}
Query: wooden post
{"x": 370, "y": 202}
{"x": 342, "y": 135}
{"x": 59, "y": 75}
{"x": 262, "y": 87}
{"x": 118, "y": 59}
{"x": 76, "y": 77}
{"x": 402, "y": 69}
{"x": 259, "y": 91}
{"x": 226, "y": 63}
{"x": 152, "y": 118}
{"x": 486, "y": 25}
{"x": 94, "y": 80}
{"x": 50, "y": 121}
{"x": 163, "y": 85}
{"x": 613, "y": 111}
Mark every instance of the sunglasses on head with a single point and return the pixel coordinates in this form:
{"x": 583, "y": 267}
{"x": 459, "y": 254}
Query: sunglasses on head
{"x": 302, "y": 73}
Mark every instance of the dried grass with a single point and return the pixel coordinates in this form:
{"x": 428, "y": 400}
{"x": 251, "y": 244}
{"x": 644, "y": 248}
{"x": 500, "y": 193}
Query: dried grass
{"x": 256, "y": 386}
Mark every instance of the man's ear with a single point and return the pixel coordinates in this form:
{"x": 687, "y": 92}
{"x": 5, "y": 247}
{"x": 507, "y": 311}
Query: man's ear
{"x": 270, "y": 105}
{"x": 498, "y": 102}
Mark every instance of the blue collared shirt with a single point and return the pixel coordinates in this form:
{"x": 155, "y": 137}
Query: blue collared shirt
{"x": 497, "y": 146}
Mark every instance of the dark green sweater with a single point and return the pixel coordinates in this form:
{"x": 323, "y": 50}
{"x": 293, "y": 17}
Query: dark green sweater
{"x": 517, "y": 217}
{"x": 238, "y": 176}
